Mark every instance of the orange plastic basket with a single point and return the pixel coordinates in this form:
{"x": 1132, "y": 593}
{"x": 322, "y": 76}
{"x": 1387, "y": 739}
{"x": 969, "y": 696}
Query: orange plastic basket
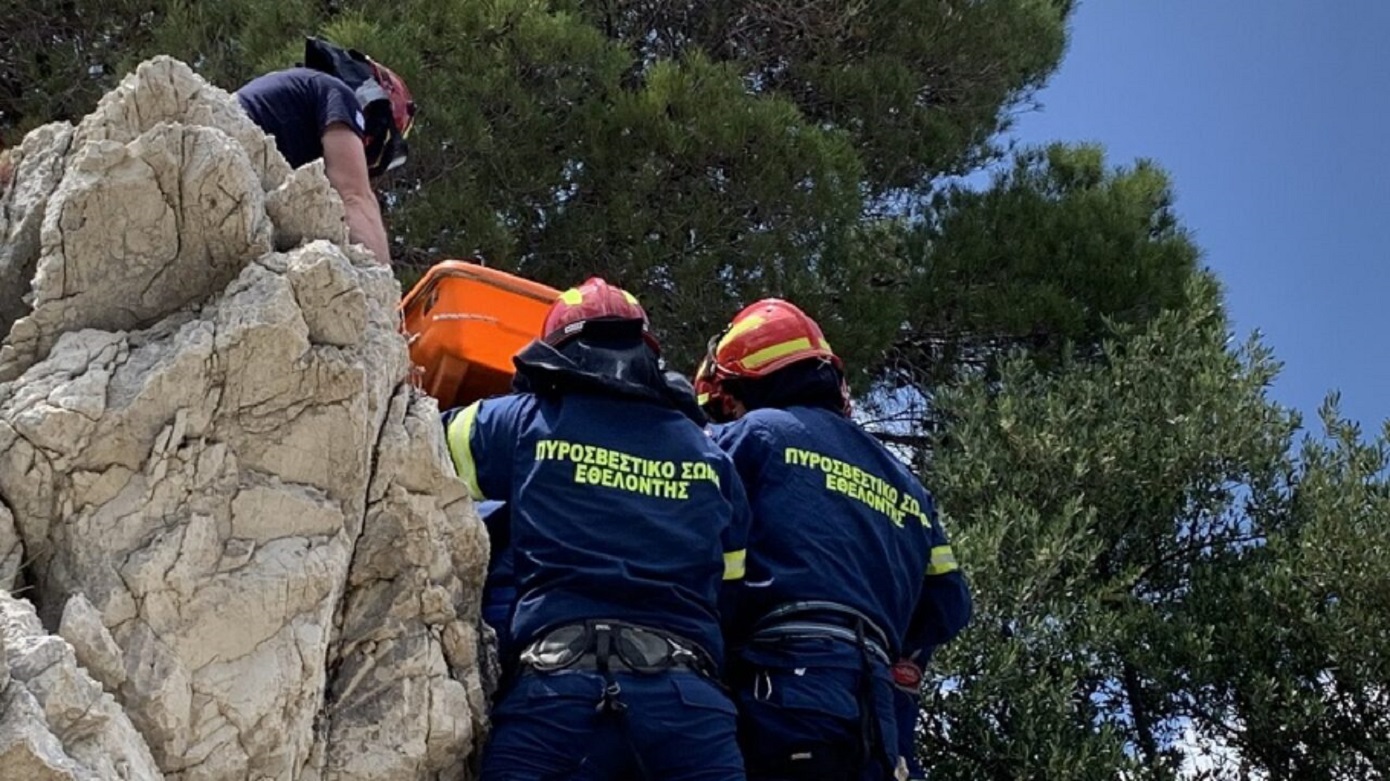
{"x": 464, "y": 322}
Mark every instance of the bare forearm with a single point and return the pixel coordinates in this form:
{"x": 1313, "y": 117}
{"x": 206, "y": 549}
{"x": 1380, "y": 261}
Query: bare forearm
{"x": 346, "y": 166}
{"x": 365, "y": 226}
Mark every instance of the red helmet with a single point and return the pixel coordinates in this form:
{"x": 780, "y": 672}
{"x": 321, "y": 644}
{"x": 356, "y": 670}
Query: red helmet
{"x": 402, "y": 105}
{"x": 593, "y": 302}
{"x": 387, "y": 108}
{"x": 766, "y": 336}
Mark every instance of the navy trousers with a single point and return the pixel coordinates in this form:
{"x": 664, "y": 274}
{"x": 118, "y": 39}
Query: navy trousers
{"x": 676, "y": 726}
{"x": 804, "y": 708}
{"x": 909, "y": 708}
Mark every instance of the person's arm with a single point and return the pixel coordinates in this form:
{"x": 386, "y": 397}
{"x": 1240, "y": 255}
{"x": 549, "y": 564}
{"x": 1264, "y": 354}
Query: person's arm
{"x": 735, "y": 542}
{"x": 482, "y": 440}
{"x": 345, "y": 162}
{"x": 945, "y": 606}
{"x": 748, "y": 446}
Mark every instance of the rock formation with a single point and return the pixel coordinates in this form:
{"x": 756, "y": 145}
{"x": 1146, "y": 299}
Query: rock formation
{"x": 247, "y": 555}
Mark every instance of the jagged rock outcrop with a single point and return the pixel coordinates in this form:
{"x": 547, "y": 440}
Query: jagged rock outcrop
{"x": 56, "y": 722}
{"x": 235, "y": 518}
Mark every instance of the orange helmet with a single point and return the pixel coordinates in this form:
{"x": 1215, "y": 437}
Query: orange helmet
{"x": 766, "y": 336}
{"x": 595, "y": 301}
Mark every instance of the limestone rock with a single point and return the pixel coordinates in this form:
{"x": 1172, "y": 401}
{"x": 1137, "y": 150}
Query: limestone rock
{"x": 178, "y": 211}
{"x": 39, "y": 163}
{"x": 306, "y": 208}
{"x": 165, "y": 90}
{"x": 96, "y": 650}
{"x": 412, "y": 571}
{"x": 11, "y": 550}
{"x": 57, "y": 722}
{"x": 236, "y": 515}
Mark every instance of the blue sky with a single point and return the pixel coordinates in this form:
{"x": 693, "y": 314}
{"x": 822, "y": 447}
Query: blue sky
{"x": 1273, "y": 118}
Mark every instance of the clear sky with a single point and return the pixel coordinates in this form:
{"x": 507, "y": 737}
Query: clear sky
{"x": 1273, "y": 118}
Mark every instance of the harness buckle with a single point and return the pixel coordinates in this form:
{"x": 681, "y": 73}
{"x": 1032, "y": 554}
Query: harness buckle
{"x": 610, "y": 702}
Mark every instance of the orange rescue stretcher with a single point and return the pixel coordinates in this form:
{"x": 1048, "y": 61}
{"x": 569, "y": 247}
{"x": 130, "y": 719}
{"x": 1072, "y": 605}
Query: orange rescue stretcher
{"x": 464, "y": 322}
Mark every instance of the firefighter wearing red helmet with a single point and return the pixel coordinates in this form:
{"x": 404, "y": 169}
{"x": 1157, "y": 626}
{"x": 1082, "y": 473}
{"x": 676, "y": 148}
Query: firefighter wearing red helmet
{"x": 848, "y": 569}
{"x": 626, "y": 532}
{"x": 346, "y": 108}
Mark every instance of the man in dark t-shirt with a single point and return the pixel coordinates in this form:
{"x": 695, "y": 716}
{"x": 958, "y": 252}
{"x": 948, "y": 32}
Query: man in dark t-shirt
{"x": 289, "y": 103}
{"x": 355, "y": 117}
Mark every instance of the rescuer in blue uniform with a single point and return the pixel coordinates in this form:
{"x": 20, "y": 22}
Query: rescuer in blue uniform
{"x": 848, "y": 567}
{"x": 627, "y": 530}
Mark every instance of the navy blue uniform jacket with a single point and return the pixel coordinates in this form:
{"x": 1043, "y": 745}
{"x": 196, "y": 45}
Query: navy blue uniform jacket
{"x": 621, "y": 508}
{"x": 837, "y": 517}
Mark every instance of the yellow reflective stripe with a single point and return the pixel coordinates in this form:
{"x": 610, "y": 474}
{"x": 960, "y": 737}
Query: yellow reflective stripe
{"x": 741, "y": 327}
{"x": 573, "y": 296}
{"x": 702, "y": 399}
{"x": 943, "y": 560}
{"x": 459, "y": 434}
{"x": 733, "y": 564}
{"x": 770, "y": 354}
{"x": 631, "y": 299}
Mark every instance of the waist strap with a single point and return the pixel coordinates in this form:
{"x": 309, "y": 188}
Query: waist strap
{"x": 819, "y": 618}
{"x": 591, "y": 645}
{"x": 811, "y": 629}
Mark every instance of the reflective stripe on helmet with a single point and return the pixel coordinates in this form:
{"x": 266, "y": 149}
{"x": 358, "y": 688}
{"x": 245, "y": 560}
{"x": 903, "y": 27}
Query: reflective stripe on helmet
{"x": 739, "y": 328}
{"x": 763, "y": 338}
{"x": 593, "y": 301}
{"x": 769, "y": 354}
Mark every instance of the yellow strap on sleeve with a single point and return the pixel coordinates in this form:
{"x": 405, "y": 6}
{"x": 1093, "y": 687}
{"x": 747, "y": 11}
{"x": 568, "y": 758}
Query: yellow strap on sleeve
{"x": 733, "y": 564}
{"x": 943, "y": 560}
{"x": 459, "y": 434}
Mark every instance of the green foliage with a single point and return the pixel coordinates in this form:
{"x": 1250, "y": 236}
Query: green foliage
{"x": 53, "y": 62}
{"x": 1155, "y": 569}
{"x": 918, "y": 84}
{"x": 1058, "y": 245}
{"x": 703, "y": 154}
{"x": 1081, "y": 498}
{"x": 1295, "y": 668}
